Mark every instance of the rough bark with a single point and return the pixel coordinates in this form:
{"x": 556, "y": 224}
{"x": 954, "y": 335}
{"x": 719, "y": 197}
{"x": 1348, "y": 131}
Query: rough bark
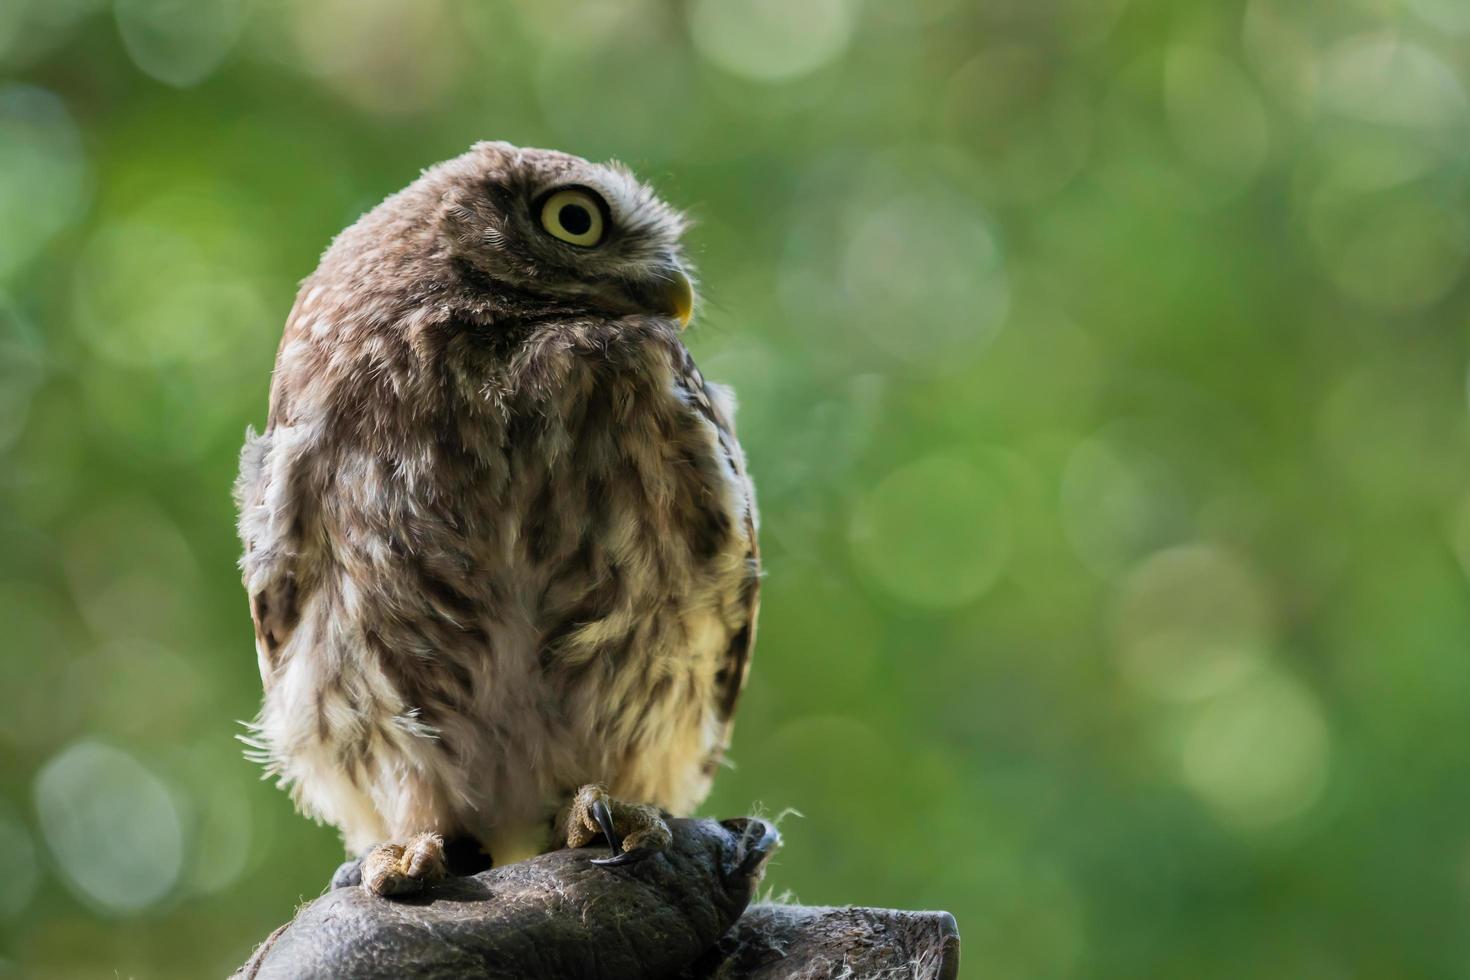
{"x": 680, "y": 915}
{"x": 801, "y": 942}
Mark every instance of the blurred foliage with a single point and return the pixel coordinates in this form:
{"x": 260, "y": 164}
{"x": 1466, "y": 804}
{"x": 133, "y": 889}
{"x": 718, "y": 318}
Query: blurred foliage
{"x": 1102, "y": 368}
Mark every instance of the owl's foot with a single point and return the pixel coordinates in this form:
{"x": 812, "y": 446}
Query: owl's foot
{"x": 634, "y": 831}
{"x": 402, "y": 867}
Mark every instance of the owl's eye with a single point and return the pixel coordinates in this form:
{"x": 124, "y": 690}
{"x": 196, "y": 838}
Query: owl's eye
{"x": 574, "y": 215}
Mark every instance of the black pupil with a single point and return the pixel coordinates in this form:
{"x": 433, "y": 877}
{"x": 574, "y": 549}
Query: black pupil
{"x": 575, "y": 219}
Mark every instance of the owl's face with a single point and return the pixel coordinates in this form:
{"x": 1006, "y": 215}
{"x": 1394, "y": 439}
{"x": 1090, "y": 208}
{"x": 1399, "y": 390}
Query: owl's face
{"x": 564, "y": 232}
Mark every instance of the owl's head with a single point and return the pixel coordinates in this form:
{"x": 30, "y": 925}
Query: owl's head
{"x": 561, "y": 232}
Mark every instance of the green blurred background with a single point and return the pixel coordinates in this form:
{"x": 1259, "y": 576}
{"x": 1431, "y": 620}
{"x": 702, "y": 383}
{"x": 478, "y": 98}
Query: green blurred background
{"x": 1102, "y": 368}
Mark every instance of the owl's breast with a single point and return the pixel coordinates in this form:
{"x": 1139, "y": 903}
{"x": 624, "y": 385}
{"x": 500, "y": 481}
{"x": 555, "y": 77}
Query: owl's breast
{"x": 638, "y": 530}
{"x": 634, "y": 486}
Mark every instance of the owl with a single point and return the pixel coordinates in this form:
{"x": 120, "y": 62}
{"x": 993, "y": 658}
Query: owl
{"x": 499, "y": 540}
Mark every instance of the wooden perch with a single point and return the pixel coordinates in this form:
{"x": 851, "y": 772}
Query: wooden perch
{"x": 680, "y": 915}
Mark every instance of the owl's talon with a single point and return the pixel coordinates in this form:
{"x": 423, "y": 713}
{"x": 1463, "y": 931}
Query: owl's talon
{"x": 634, "y": 831}
{"x": 603, "y": 815}
{"x": 401, "y": 868}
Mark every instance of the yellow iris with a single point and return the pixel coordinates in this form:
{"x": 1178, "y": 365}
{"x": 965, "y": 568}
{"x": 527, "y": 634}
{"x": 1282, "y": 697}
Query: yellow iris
{"x": 574, "y": 216}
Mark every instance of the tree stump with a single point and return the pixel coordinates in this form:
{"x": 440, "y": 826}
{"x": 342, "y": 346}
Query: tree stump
{"x": 682, "y": 915}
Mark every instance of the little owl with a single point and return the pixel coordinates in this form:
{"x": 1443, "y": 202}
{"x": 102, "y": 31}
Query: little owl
{"x": 500, "y": 545}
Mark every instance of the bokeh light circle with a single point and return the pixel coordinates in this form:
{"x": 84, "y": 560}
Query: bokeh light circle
{"x": 43, "y": 172}
{"x": 933, "y": 533}
{"x": 770, "y": 40}
{"x": 111, "y": 825}
{"x": 1216, "y": 116}
{"x": 222, "y": 838}
{"x": 917, "y": 258}
{"x": 1391, "y": 250}
{"x": 1184, "y": 129}
{"x": 1119, "y": 501}
{"x": 1450, "y": 16}
{"x": 1381, "y": 78}
{"x": 382, "y": 56}
{"x": 1258, "y": 755}
{"x": 133, "y": 316}
{"x": 1189, "y": 623}
{"x": 901, "y": 253}
{"x": 1028, "y": 123}
{"x": 179, "y": 42}
{"x": 1278, "y": 43}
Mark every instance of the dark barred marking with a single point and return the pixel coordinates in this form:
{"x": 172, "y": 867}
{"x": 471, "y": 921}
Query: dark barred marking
{"x": 543, "y": 525}
{"x": 262, "y": 618}
{"x": 406, "y": 676}
{"x": 276, "y": 613}
{"x": 461, "y": 609}
{"x": 461, "y": 689}
{"x": 323, "y": 730}
{"x": 730, "y": 679}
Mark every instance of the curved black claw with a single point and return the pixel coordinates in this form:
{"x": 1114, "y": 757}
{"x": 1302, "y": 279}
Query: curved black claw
{"x": 627, "y": 857}
{"x": 604, "y": 819}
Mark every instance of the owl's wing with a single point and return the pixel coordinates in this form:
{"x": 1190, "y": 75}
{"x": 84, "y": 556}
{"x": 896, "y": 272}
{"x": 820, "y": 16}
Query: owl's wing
{"x": 272, "y": 530}
{"x": 717, "y": 403}
{"x": 273, "y": 496}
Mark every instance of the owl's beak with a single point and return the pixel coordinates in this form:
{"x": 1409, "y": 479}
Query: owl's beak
{"x": 677, "y": 294}
{"x": 664, "y": 290}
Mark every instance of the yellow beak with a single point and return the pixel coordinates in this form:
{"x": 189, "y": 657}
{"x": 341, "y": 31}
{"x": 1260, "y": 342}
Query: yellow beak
{"x": 678, "y": 297}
